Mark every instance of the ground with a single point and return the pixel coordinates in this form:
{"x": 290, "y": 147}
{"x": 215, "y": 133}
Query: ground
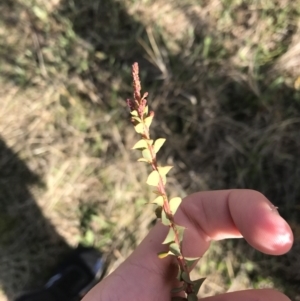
{"x": 223, "y": 78}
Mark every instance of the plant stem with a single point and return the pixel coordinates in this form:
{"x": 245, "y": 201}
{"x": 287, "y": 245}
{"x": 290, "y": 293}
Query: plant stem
{"x": 138, "y": 104}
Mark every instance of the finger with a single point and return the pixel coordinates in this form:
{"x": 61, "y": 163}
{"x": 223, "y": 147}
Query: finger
{"x": 224, "y": 214}
{"x": 207, "y": 216}
{"x": 261, "y": 224}
{"x": 250, "y": 295}
{"x": 210, "y": 216}
{"x": 216, "y": 215}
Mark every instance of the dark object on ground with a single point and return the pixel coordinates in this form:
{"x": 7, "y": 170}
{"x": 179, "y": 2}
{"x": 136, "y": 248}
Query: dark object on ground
{"x": 72, "y": 279}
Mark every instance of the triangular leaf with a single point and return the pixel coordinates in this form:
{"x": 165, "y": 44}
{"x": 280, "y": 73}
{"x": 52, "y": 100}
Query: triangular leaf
{"x": 197, "y": 284}
{"x": 158, "y": 201}
{"x": 164, "y": 179}
{"x": 174, "y": 204}
{"x": 153, "y": 178}
{"x": 174, "y": 249}
{"x": 143, "y": 160}
{"x": 170, "y": 237}
{"x": 162, "y": 254}
{"x": 158, "y": 144}
{"x": 186, "y": 278}
{"x": 157, "y": 192}
{"x": 180, "y": 231}
{"x": 191, "y": 258}
{"x": 178, "y": 277}
{"x": 190, "y": 261}
{"x": 134, "y": 113}
{"x": 140, "y": 144}
{"x": 164, "y": 219}
{"x": 148, "y": 121}
{"x": 147, "y": 155}
{"x": 192, "y": 297}
{"x": 163, "y": 170}
{"x": 138, "y": 119}
{"x": 139, "y": 128}
{"x": 149, "y": 141}
{"x": 146, "y": 109}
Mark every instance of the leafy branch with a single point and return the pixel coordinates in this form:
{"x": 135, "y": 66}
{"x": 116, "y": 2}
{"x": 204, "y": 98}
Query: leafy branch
{"x": 141, "y": 119}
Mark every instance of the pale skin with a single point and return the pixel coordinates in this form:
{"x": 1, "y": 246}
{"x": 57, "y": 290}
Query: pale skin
{"x": 208, "y": 216}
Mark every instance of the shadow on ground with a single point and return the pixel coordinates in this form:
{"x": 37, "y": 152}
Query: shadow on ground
{"x": 29, "y": 245}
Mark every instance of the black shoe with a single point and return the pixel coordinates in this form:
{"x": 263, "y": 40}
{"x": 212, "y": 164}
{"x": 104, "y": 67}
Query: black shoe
{"x": 72, "y": 279}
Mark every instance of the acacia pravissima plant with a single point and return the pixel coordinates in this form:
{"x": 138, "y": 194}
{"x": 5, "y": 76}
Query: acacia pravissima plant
{"x": 141, "y": 119}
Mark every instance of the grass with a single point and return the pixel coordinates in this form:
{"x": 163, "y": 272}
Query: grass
{"x": 223, "y": 81}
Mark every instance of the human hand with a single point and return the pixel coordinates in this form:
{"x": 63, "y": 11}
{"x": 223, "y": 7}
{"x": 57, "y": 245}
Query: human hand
{"x": 207, "y": 216}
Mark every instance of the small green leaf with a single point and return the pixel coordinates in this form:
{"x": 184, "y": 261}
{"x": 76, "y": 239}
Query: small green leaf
{"x": 178, "y": 299}
{"x": 143, "y": 160}
{"x": 180, "y": 230}
{"x": 163, "y": 170}
{"x": 164, "y": 179}
{"x": 158, "y": 144}
{"x": 138, "y": 119}
{"x": 192, "y": 297}
{"x": 146, "y": 110}
{"x": 134, "y": 113}
{"x": 153, "y": 178}
{"x": 158, "y": 201}
{"x": 139, "y": 128}
{"x": 179, "y": 289}
{"x": 170, "y": 237}
{"x": 186, "y": 278}
{"x": 162, "y": 254}
{"x": 140, "y": 144}
{"x": 197, "y": 284}
{"x": 174, "y": 204}
{"x": 164, "y": 219}
{"x": 148, "y": 121}
{"x": 190, "y": 261}
{"x": 174, "y": 249}
{"x": 147, "y": 155}
{"x": 178, "y": 277}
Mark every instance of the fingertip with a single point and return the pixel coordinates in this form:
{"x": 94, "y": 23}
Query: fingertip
{"x": 260, "y": 223}
{"x": 250, "y": 295}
